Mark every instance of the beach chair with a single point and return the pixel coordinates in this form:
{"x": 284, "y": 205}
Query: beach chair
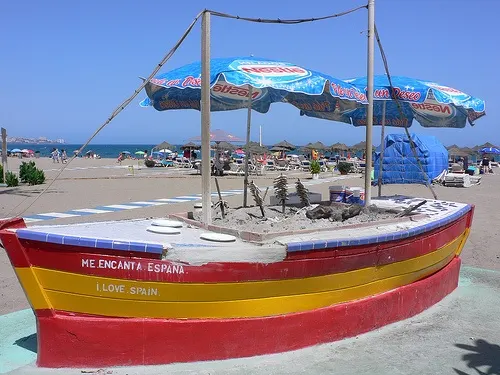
{"x": 270, "y": 165}
{"x": 305, "y": 165}
{"x": 282, "y": 165}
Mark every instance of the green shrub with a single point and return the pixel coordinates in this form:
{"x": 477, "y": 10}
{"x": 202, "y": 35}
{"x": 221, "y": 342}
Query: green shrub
{"x": 11, "y": 179}
{"x": 30, "y": 174}
{"x": 25, "y": 170}
{"x": 36, "y": 177}
{"x": 315, "y": 167}
{"x": 344, "y": 167}
{"x": 149, "y": 163}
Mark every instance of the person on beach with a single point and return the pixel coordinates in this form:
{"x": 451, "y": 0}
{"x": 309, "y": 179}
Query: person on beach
{"x": 64, "y": 156}
{"x": 485, "y": 163}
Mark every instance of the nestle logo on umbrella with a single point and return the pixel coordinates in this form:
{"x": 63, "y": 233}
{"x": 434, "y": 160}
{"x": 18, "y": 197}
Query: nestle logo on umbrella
{"x": 225, "y": 90}
{"x": 434, "y": 109}
{"x": 274, "y": 70}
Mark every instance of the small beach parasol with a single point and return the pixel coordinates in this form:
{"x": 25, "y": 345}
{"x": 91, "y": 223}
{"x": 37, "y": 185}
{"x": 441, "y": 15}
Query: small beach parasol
{"x": 126, "y": 152}
{"x": 163, "y": 145}
{"x": 16, "y": 150}
{"x": 190, "y": 146}
{"x": 285, "y": 145}
{"x": 315, "y": 146}
{"x": 139, "y": 152}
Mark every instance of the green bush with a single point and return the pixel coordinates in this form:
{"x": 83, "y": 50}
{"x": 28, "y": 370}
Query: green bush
{"x": 315, "y": 167}
{"x": 36, "y": 177}
{"x": 344, "y": 167}
{"x": 25, "y": 170}
{"x": 30, "y": 174}
{"x": 11, "y": 179}
{"x": 149, "y": 163}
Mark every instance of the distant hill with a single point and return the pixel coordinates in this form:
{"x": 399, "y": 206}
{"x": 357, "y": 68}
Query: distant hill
{"x": 39, "y": 140}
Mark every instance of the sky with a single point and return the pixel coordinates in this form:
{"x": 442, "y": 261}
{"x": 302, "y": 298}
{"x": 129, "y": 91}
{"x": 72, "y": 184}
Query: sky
{"x": 66, "y": 65}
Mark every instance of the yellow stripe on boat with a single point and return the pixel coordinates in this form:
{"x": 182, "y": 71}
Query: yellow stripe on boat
{"x": 117, "y": 297}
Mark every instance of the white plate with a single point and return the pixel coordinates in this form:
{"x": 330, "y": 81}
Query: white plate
{"x": 163, "y": 230}
{"x": 217, "y": 237}
{"x": 167, "y": 223}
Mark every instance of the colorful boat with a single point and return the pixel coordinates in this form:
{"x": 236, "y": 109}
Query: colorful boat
{"x": 113, "y": 293}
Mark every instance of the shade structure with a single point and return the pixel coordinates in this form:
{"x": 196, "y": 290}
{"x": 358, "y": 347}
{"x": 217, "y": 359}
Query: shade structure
{"x": 339, "y": 147}
{"x": 358, "y": 146}
{"x": 285, "y": 145}
{"x": 315, "y": 146}
{"x": 225, "y": 146}
{"x": 484, "y": 145}
{"x": 219, "y": 135}
{"x": 163, "y": 145}
{"x": 453, "y": 146}
{"x": 190, "y": 146}
{"x": 430, "y": 103}
{"x": 139, "y": 152}
{"x": 257, "y": 149}
{"x": 456, "y": 151}
{"x": 15, "y": 150}
{"x": 279, "y": 149}
{"x": 271, "y": 81}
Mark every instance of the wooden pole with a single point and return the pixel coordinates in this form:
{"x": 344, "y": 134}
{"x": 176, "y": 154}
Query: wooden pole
{"x": 206, "y": 197}
{"x": 369, "y": 114}
{"x": 247, "y": 146}
{"x": 382, "y": 149}
{"x": 4, "y": 152}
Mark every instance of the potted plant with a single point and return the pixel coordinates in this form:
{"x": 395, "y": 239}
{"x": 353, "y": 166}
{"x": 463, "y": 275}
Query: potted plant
{"x": 344, "y": 168}
{"x": 315, "y": 169}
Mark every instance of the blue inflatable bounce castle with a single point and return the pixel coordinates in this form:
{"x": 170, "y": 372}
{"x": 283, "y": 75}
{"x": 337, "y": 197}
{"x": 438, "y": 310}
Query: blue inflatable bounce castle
{"x": 399, "y": 165}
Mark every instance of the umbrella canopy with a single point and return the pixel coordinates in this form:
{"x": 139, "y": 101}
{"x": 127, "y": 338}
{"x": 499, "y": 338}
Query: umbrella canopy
{"x": 278, "y": 149}
{"x": 126, "y": 152}
{"x": 339, "y": 147}
{"x": 256, "y": 148}
{"x": 219, "y": 135}
{"x": 431, "y": 104}
{"x": 163, "y": 145}
{"x": 467, "y": 150}
{"x": 286, "y": 145}
{"x": 271, "y": 82}
{"x": 315, "y": 146}
{"x": 225, "y": 146}
{"x": 190, "y": 145}
{"x": 139, "y": 152}
{"x": 490, "y": 150}
{"x": 485, "y": 145}
{"x": 15, "y": 150}
{"x": 452, "y": 146}
{"x": 358, "y": 146}
{"x": 455, "y": 151}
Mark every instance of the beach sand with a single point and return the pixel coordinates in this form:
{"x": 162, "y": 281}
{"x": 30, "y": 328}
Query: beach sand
{"x": 88, "y": 183}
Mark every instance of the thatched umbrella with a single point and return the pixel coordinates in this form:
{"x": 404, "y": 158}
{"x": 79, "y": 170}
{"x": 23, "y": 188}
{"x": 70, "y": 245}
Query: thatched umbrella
{"x": 452, "y": 147}
{"x": 455, "y": 151}
{"x": 358, "y": 146}
{"x": 285, "y": 145}
{"x": 485, "y": 145}
{"x": 315, "y": 146}
{"x": 339, "y": 147}
{"x": 256, "y": 148}
{"x": 164, "y": 145}
{"x": 190, "y": 146}
{"x": 225, "y": 146}
{"x": 467, "y": 150}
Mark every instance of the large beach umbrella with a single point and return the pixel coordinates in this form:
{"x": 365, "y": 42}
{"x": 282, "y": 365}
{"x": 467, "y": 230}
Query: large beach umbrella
{"x": 256, "y": 148}
{"x": 430, "y": 103}
{"x": 234, "y": 82}
{"x": 15, "y": 150}
{"x": 455, "y": 151}
{"x": 225, "y": 146}
{"x": 251, "y": 83}
{"x": 285, "y": 145}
